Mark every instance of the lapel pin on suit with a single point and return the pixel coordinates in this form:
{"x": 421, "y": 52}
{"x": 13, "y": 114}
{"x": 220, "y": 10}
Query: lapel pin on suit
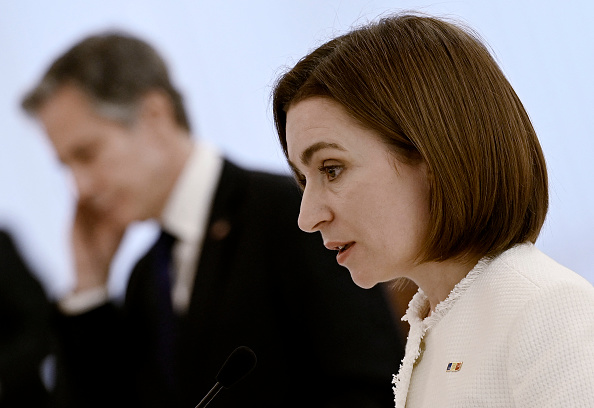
{"x": 219, "y": 229}
{"x": 454, "y": 367}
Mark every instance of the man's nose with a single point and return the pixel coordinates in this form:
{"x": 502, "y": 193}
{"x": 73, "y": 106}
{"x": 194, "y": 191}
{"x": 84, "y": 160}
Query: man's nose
{"x": 84, "y": 184}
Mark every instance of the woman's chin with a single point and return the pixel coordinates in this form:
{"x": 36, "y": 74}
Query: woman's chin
{"x": 363, "y": 280}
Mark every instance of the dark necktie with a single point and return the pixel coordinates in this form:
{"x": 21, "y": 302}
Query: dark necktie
{"x": 163, "y": 251}
{"x": 164, "y": 266}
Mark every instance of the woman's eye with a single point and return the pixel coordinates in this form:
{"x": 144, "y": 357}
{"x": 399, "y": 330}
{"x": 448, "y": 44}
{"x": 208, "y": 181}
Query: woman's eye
{"x": 331, "y": 172}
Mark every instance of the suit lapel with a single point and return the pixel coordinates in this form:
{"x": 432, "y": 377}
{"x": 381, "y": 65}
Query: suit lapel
{"x": 223, "y": 227}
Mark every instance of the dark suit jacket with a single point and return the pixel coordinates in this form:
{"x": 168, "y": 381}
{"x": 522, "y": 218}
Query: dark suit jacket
{"x": 320, "y": 340}
{"x": 25, "y": 331}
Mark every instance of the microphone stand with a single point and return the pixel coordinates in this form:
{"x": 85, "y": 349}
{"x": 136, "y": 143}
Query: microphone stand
{"x": 211, "y": 394}
{"x": 239, "y": 364}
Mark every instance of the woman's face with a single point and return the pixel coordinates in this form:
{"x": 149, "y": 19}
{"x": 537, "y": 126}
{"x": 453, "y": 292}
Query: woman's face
{"x": 369, "y": 207}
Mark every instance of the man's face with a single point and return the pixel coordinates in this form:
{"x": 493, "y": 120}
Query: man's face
{"x": 116, "y": 167}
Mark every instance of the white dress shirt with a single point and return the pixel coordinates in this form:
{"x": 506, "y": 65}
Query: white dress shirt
{"x": 186, "y": 217}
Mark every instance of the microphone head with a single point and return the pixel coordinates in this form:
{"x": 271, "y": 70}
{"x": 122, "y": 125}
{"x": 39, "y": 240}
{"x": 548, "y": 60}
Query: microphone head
{"x": 239, "y": 364}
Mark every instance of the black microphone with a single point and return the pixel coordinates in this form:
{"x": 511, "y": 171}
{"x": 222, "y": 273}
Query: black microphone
{"x": 239, "y": 364}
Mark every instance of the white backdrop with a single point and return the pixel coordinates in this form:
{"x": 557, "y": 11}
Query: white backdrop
{"x": 225, "y": 55}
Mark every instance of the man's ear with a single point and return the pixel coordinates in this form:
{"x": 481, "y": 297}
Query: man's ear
{"x": 156, "y": 110}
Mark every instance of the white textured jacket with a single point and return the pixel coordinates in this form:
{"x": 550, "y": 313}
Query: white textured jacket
{"x": 517, "y": 331}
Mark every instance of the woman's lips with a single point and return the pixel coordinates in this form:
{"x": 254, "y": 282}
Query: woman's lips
{"x": 344, "y": 249}
{"x": 344, "y": 252}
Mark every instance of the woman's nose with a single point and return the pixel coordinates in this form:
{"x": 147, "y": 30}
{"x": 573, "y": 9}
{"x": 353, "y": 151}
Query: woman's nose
{"x": 314, "y": 212}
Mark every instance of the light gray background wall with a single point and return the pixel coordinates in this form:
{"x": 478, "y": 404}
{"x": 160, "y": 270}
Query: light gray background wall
{"x": 225, "y": 55}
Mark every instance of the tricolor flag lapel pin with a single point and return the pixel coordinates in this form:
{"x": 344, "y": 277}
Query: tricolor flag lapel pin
{"x": 454, "y": 367}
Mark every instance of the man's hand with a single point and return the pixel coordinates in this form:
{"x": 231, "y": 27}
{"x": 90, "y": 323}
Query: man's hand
{"x": 95, "y": 240}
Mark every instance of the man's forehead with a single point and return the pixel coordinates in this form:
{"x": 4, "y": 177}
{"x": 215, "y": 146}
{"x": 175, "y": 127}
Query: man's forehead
{"x": 67, "y": 118}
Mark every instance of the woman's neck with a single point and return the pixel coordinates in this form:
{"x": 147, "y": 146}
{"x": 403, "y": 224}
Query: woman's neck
{"x": 438, "y": 279}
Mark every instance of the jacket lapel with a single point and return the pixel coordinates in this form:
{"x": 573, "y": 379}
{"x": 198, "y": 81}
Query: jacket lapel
{"x": 223, "y": 227}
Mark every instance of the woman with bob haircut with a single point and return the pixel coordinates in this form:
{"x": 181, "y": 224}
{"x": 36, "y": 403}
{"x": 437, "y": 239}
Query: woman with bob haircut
{"x": 417, "y": 160}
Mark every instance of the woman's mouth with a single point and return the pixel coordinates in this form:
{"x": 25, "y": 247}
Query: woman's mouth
{"x": 344, "y": 249}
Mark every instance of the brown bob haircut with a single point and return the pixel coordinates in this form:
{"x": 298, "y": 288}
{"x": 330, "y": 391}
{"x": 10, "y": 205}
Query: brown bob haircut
{"x": 432, "y": 91}
{"x": 115, "y": 70}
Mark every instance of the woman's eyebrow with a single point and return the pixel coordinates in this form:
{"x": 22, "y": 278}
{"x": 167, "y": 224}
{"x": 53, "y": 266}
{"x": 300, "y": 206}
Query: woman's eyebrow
{"x": 309, "y": 152}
